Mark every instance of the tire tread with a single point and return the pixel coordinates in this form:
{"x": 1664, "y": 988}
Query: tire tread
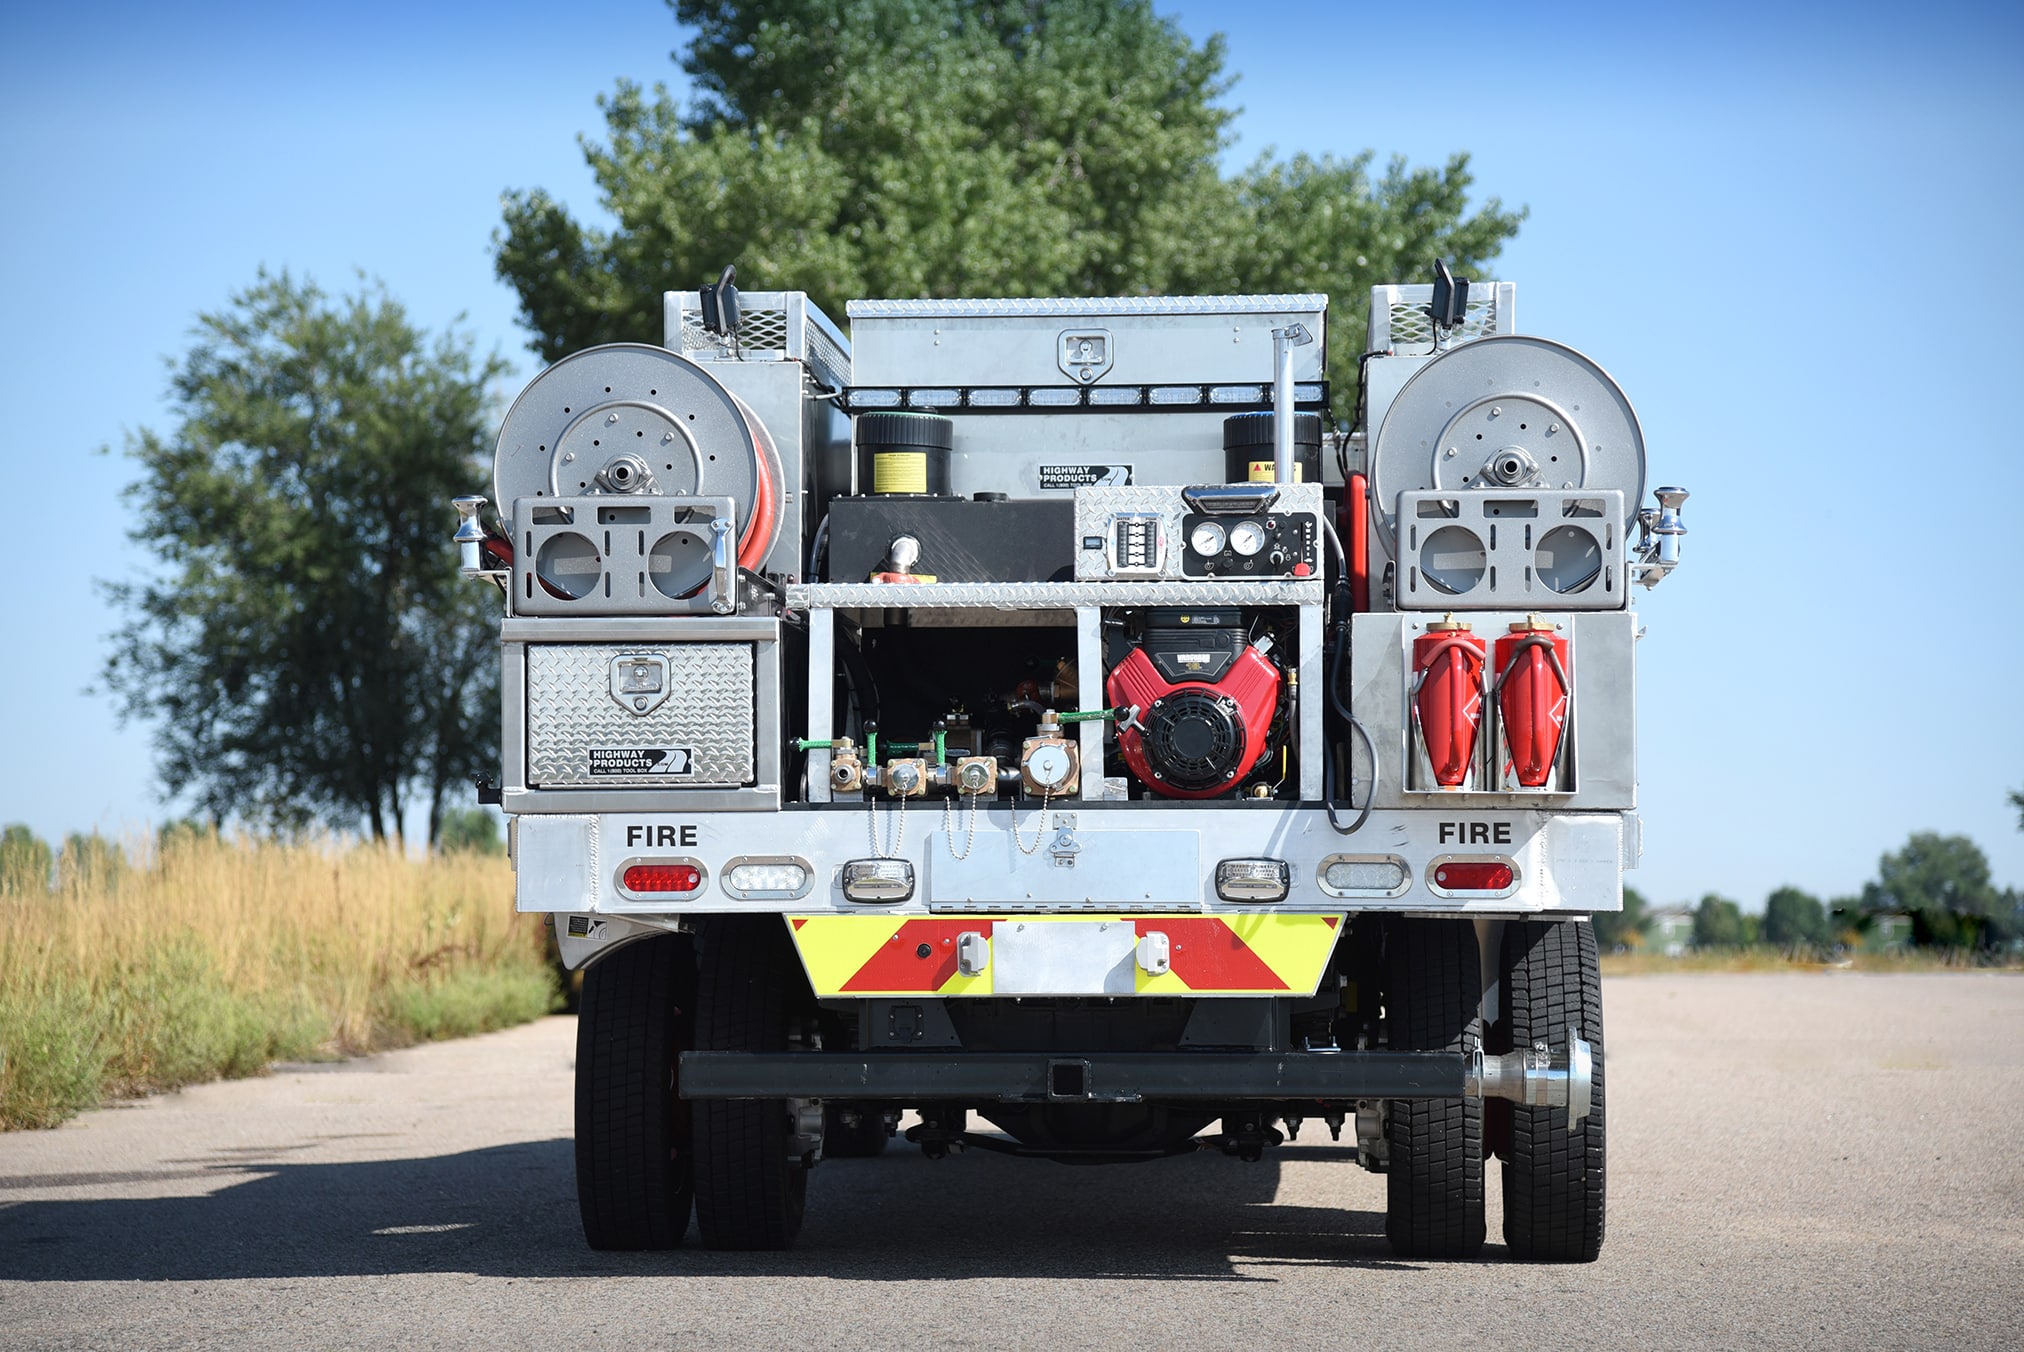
{"x": 632, "y": 1172}
{"x": 748, "y": 1194}
{"x": 1554, "y": 1180}
{"x": 1434, "y": 1187}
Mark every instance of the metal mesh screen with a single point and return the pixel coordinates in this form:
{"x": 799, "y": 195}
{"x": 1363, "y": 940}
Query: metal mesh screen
{"x": 758, "y": 331}
{"x": 1412, "y": 332}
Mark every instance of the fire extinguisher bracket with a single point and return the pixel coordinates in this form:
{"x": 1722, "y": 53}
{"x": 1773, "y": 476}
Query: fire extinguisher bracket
{"x": 1490, "y": 707}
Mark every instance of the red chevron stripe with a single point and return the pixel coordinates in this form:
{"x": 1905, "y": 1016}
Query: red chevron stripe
{"x": 898, "y": 966}
{"x": 1207, "y": 954}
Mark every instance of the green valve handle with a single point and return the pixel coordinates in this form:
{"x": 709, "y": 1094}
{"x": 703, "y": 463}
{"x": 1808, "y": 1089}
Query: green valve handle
{"x": 1089, "y": 715}
{"x": 812, "y": 744}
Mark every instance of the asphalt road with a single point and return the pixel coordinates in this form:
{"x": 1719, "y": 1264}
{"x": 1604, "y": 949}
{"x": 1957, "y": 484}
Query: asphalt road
{"x": 1803, "y": 1161}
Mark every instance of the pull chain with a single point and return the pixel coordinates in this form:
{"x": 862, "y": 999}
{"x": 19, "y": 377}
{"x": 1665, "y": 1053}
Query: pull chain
{"x": 892, "y": 848}
{"x": 1046, "y": 795}
{"x": 949, "y": 827}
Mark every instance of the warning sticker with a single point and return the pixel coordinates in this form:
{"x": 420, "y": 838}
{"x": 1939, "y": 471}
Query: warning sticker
{"x": 1071, "y": 477}
{"x": 642, "y": 760}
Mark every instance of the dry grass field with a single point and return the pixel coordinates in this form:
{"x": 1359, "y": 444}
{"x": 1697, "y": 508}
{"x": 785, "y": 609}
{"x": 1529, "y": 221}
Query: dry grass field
{"x": 205, "y": 958}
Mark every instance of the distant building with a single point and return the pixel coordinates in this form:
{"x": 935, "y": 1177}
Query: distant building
{"x": 1888, "y": 933}
{"x": 1671, "y": 930}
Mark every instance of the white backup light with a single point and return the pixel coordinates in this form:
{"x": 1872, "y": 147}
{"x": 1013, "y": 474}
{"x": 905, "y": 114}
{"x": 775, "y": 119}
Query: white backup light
{"x": 878, "y": 880}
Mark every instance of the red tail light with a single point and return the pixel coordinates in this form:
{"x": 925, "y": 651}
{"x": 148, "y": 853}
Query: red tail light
{"x": 1474, "y": 876}
{"x": 663, "y": 878}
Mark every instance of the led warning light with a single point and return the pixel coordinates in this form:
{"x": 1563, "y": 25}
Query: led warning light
{"x": 662, "y": 878}
{"x": 779, "y": 878}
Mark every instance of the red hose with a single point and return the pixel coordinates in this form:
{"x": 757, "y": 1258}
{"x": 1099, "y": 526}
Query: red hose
{"x": 1359, "y": 543}
{"x": 757, "y": 541}
{"x": 759, "y": 529}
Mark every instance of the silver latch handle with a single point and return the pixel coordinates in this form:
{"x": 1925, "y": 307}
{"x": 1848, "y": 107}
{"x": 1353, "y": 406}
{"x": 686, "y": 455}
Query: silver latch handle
{"x": 470, "y": 534}
{"x": 723, "y": 568}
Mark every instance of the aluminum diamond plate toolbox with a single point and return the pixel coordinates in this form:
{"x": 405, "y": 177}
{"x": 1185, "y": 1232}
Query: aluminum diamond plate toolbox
{"x": 607, "y": 715}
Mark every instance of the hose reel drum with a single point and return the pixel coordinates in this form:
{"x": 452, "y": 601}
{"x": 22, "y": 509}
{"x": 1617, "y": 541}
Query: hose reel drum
{"x": 638, "y": 450}
{"x": 1506, "y": 474}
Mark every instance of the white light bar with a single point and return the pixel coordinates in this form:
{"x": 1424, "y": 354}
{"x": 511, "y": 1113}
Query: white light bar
{"x": 1177, "y": 394}
{"x": 874, "y": 398}
{"x": 767, "y": 878}
{"x": 994, "y": 398}
{"x": 1379, "y": 875}
{"x": 1114, "y": 395}
{"x": 1049, "y": 396}
{"x": 1238, "y": 394}
{"x": 934, "y": 398}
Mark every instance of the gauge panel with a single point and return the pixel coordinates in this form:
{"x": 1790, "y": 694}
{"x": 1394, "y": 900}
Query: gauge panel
{"x": 1270, "y": 544}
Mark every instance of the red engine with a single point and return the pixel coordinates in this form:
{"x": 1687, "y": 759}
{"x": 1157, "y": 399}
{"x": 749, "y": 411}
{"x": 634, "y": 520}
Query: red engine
{"x": 1205, "y": 702}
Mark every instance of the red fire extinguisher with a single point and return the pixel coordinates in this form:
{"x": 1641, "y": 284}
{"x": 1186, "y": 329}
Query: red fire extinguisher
{"x": 1532, "y": 701}
{"x": 1448, "y": 698}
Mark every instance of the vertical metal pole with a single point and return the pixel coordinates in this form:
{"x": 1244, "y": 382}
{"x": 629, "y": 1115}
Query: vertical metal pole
{"x": 1313, "y": 702}
{"x": 1089, "y": 688}
{"x": 821, "y": 687}
{"x": 1283, "y": 342}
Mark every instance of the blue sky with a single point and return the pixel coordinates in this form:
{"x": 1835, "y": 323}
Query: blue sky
{"x": 1783, "y": 228}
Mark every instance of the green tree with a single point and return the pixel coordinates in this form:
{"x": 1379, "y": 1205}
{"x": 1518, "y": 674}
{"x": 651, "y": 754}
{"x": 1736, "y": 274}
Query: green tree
{"x": 470, "y": 830}
{"x": 307, "y": 649}
{"x": 1718, "y": 923}
{"x": 25, "y": 860}
{"x": 906, "y": 148}
{"x": 1942, "y": 883}
{"x": 1625, "y": 928}
{"x": 1794, "y": 919}
{"x": 2017, "y": 801}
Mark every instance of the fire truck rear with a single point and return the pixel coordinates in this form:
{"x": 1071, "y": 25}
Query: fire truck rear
{"x": 1035, "y": 715}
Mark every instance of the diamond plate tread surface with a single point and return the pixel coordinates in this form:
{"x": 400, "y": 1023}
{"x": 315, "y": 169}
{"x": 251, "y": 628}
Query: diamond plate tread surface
{"x": 570, "y": 709}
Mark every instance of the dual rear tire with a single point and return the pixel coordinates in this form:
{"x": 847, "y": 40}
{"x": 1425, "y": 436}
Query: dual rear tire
{"x": 1553, "y": 1179}
{"x": 645, "y": 1157}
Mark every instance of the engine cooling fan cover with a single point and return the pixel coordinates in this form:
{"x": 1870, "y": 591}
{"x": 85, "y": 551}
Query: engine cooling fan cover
{"x": 1195, "y": 738}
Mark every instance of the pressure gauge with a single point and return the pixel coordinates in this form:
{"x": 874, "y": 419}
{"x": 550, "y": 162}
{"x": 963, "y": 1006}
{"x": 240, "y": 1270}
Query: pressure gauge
{"x": 1247, "y": 538}
{"x": 1207, "y": 538}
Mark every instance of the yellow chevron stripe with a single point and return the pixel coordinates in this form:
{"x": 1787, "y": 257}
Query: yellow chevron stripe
{"x": 833, "y": 947}
{"x": 1296, "y": 948}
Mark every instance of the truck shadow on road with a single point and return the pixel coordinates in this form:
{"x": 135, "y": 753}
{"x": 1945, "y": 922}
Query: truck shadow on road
{"x": 510, "y": 1211}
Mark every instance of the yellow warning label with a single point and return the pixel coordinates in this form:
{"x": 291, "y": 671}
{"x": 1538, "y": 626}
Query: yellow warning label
{"x": 899, "y": 472}
{"x": 1261, "y": 471}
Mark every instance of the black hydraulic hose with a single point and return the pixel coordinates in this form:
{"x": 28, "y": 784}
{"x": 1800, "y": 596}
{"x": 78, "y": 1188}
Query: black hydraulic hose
{"x": 1334, "y": 683}
{"x": 858, "y": 672}
{"x": 817, "y": 547}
